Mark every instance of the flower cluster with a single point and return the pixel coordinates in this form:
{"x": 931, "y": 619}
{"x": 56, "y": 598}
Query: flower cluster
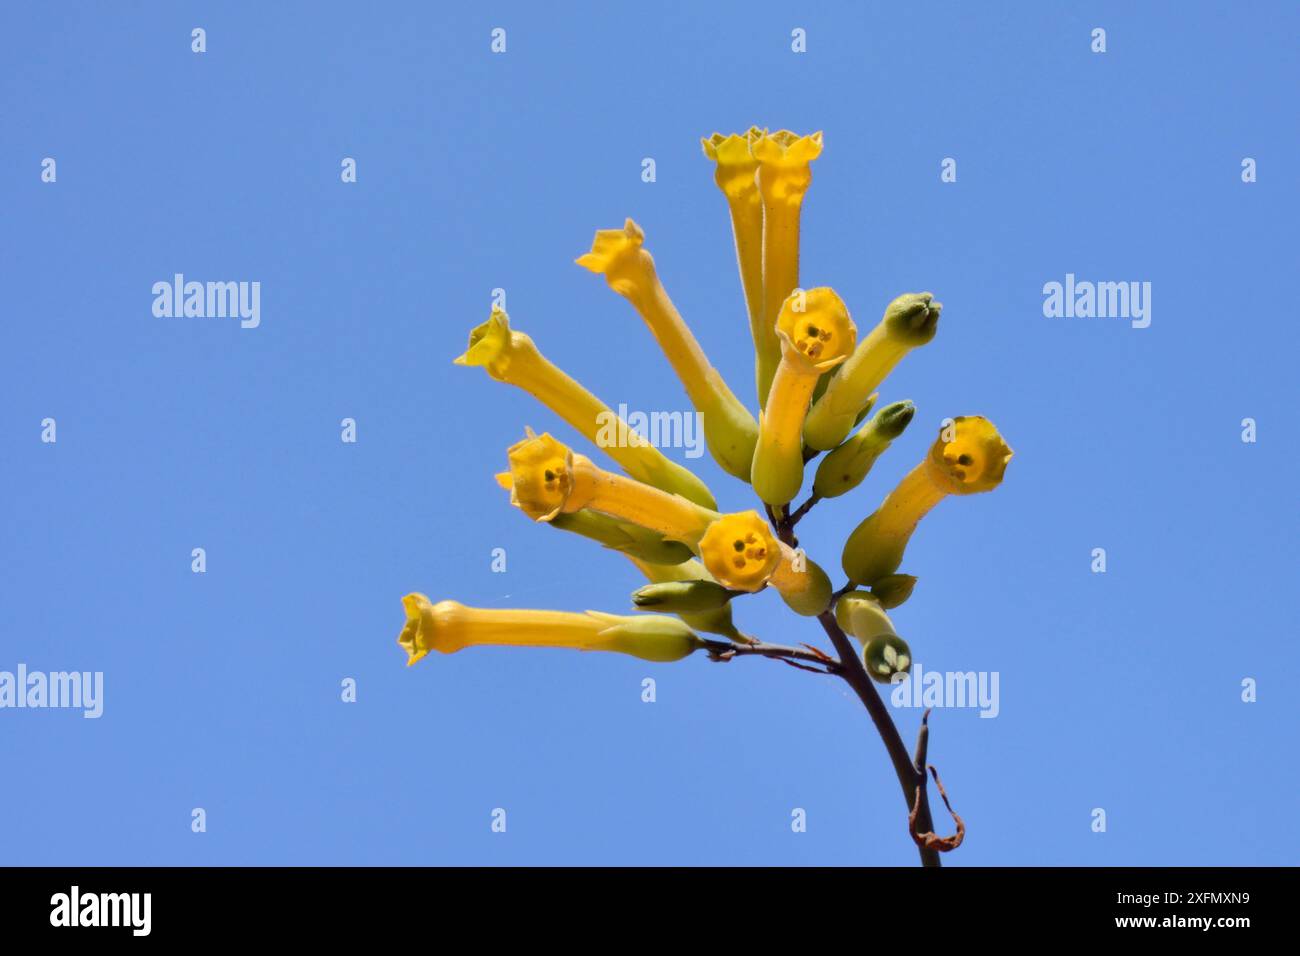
{"x": 817, "y": 380}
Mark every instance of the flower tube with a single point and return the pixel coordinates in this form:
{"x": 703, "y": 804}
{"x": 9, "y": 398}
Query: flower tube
{"x": 816, "y": 334}
{"x": 968, "y": 457}
{"x": 547, "y": 479}
{"x": 729, "y": 429}
{"x": 510, "y": 356}
{"x": 736, "y": 176}
{"x": 784, "y": 174}
{"x": 448, "y": 627}
{"x": 910, "y": 321}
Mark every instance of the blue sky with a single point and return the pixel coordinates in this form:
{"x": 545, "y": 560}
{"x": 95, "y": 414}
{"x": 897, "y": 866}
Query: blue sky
{"x": 477, "y": 171}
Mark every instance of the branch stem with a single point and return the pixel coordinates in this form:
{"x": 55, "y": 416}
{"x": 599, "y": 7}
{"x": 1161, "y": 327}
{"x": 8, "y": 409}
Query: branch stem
{"x": 909, "y": 777}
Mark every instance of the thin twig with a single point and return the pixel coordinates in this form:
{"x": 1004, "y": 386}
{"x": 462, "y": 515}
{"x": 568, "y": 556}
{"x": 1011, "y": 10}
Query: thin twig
{"x": 803, "y": 509}
{"x": 726, "y": 650}
{"x": 848, "y": 586}
{"x": 912, "y": 783}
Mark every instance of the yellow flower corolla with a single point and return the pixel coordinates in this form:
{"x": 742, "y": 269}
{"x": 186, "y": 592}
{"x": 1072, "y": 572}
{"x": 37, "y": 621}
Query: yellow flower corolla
{"x": 816, "y": 334}
{"x": 729, "y": 429}
{"x": 511, "y": 356}
{"x": 541, "y": 478}
{"x": 736, "y": 176}
{"x": 968, "y": 457}
{"x": 910, "y": 321}
{"x": 784, "y": 174}
{"x": 546, "y": 479}
{"x": 448, "y": 627}
{"x": 740, "y": 552}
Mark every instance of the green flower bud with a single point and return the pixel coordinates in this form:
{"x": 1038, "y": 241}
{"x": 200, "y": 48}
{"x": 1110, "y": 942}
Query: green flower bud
{"x": 860, "y": 614}
{"x": 844, "y": 468}
{"x": 886, "y": 656}
{"x": 677, "y": 596}
{"x": 717, "y": 621}
{"x": 913, "y": 318}
{"x": 807, "y": 591}
{"x": 893, "y": 589}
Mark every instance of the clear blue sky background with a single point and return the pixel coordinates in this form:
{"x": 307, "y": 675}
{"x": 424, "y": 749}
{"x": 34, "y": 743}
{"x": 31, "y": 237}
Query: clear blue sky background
{"x": 476, "y": 171}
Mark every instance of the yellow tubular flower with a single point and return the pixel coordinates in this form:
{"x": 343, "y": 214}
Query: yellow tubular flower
{"x": 968, "y": 457}
{"x": 910, "y": 321}
{"x": 510, "y": 356}
{"x": 547, "y": 479}
{"x": 816, "y": 334}
{"x": 740, "y": 552}
{"x": 784, "y": 173}
{"x": 448, "y": 627}
{"x": 729, "y": 429}
{"x": 736, "y": 176}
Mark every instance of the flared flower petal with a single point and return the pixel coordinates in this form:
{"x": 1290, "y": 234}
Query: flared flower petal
{"x": 541, "y": 476}
{"x": 970, "y": 460}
